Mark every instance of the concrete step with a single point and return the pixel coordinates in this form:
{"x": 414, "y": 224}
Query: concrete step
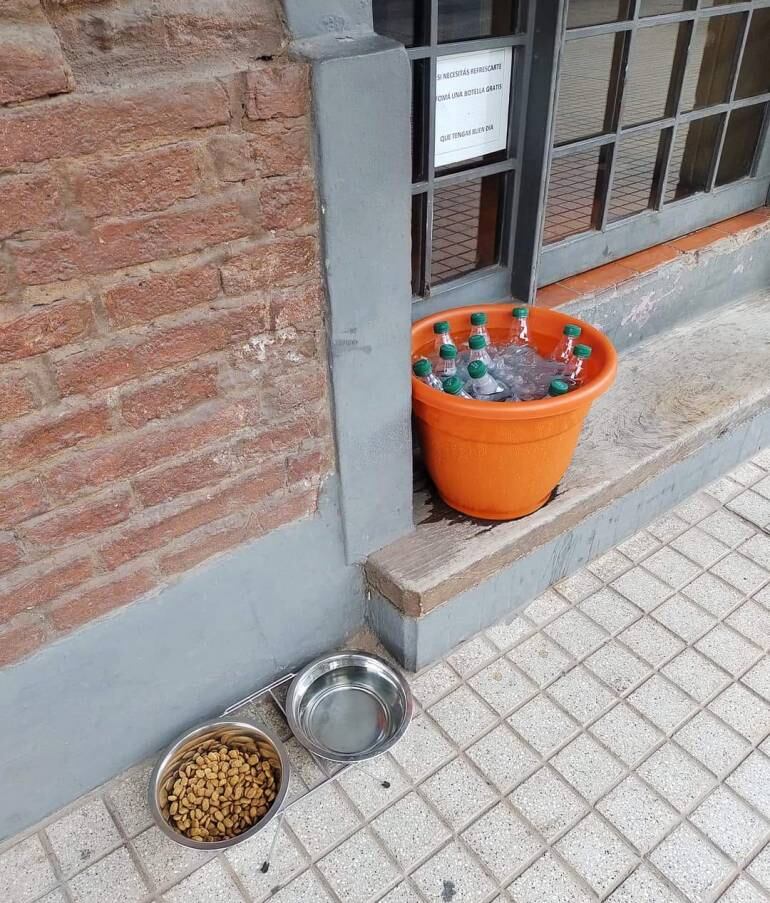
{"x": 688, "y": 405}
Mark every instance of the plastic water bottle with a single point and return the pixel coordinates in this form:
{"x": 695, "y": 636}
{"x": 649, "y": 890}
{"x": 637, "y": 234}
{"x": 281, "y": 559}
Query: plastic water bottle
{"x": 557, "y": 387}
{"x": 519, "y": 332}
{"x": 423, "y": 370}
{"x": 453, "y": 386}
{"x": 478, "y": 351}
{"x": 447, "y": 365}
{"x": 479, "y": 327}
{"x": 442, "y": 336}
{"x": 575, "y": 369}
{"x": 483, "y": 385}
{"x": 563, "y": 350}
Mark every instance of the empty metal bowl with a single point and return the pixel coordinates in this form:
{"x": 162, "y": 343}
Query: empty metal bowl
{"x": 348, "y": 707}
{"x": 268, "y": 745}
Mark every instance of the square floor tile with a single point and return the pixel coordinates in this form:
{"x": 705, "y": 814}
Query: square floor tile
{"x": 502, "y": 842}
{"x": 547, "y": 880}
{"x": 56, "y": 896}
{"x": 696, "y": 507}
{"x": 644, "y": 886}
{"x": 758, "y": 549}
{"x": 430, "y": 685}
{"x": 651, "y": 641}
{"x": 82, "y": 836}
{"x": 596, "y": 853}
{"x": 248, "y": 857}
{"x": 610, "y": 565}
{"x": 373, "y": 785}
{"x": 742, "y": 891}
{"x": 577, "y": 634}
{"x": 729, "y": 823}
{"x": 473, "y": 655}
{"x": 748, "y": 713}
{"x": 25, "y": 872}
{"x": 457, "y": 792}
{"x": 760, "y": 868}
{"x": 462, "y": 715}
{"x": 546, "y": 607}
{"x": 638, "y": 813}
{"x": 642, "y": 588}
{"x": 617, "y": 667}
{"x": 748, "y": 472}
{"x": 723, "y": 490}
{"x": 127, "y": 795}
{"x": 509, "y": 633}
{"x": 587, "y": 766}
{"x": 713, "y": 594}
{"x": 758, "y": 678}
{"x": 502, "y": 687}
{"x": 302, "y": 890}
{"x": 422, "y": 749}
{"x": 753, "y": 621}
{"x": 303, "y": 764}
{"x": 163, "y": 859}
{"x": 542, "y": 724}
{"x": 503, "y": 758}
{"x": 404, "y": 893}
{"x": 548, "y": 803}
{"x": 358, "y": 870}
{"x": 627, "y": 734}
{"x": 684, "y": 618}
{"x": 541, "y": 659}
{"x": 763, "y": 486}
{"x": 700, "y": 547}
{"x": 672, "y": 567}
{"x": 410, "y": 830}
{"x": 696, "y": 675}
{"x": 730, "y": 650}
{"x": 726, "y": 527}
{"x": 662, "y": 702}
{"x": 752, "y": 506}
{"x": 691, "y": 863}
{"x": 581, "y": 694}
{"x": 452, "y": 874}
{"x": 713, "y": 743}
{"x": 114, "y": 878}
{"x": 322, "y": 820}
{"x": 668, "y": 526}
{"x": 610, "y": 609}
{"x": 639, "y": 546}
{"x": 578, "y": 585}
{"x": 740, "y": 572}
{"x": 751, "y": 779}
{"x": 676, "y": 776}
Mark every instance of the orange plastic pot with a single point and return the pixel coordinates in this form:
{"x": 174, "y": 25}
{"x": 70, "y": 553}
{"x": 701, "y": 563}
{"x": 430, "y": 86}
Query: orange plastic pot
{"x": 500, "y": 461}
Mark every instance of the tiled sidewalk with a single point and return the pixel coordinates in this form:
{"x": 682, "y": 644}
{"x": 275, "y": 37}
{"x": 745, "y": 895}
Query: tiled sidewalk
{"x": 611, "y": 743}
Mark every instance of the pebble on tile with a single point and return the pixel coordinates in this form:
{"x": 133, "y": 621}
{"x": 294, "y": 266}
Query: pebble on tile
{"x": 410, "y": 830}
{"x": 358, "y": 870}
{"x": 114, "y": 878}
{"x": 452, "y": 875}
{"x": 247, "y": 858}
{"x": 25, "y": 872}
{"x": 365, "y": 784}
{"x": 81, "y": 836}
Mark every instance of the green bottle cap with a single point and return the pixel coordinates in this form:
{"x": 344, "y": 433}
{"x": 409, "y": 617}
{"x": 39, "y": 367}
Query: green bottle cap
{"x": 477, "y": 342}
{"x": 571, "y": 330}
{"x": 441, "y": 327}
{"x": 479, "y": 318}
{"x": 582, "y": 351}
{"x": 421, "y": 367}
{"x": 521, "y": 313}
{"x": 477, "y": 369}
{"x": 453, "y": 385}
{"x": 558, "y": 387}
{"x": 447, "y": 352}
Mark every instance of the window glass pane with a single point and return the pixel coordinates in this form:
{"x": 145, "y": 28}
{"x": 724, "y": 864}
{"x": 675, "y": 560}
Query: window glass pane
{"x": 662, "y": 7}
{"x": 403, "y": 20}
{"x": 572, "y": 194}
{"x": 595, "y": 12}
{"x": 419, "y": 212}
{"x": 420, "y": 99}
{"x": 587, "y": 69}
{"x": 741, "y": 138}
{"x": 648, "y": 79}
{"x": 466, "y": 227}
{"x": 691, "y": 155}
{"x": 754, "y": 77}
{"x": 462, "y": 20}
{"x": 709, "y": 70}
{"x": 708, "y": 3}
{"x": 637, "y": 170}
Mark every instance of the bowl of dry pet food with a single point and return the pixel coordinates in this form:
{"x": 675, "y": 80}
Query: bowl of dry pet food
{"x": 218, "y": 784}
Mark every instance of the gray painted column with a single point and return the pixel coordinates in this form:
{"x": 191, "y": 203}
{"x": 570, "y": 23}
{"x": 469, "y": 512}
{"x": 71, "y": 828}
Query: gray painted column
{"x": 310, "y": 18}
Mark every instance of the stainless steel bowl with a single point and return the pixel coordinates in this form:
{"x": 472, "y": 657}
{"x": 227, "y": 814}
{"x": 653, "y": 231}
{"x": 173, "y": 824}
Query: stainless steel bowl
{"x": 267, "y": 744}
{"x": 348, "y": 707}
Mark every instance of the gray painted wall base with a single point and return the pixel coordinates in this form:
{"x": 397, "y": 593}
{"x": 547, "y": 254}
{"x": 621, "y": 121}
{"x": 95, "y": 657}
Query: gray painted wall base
{"x": 416, "y": 642}
{"x": 95, "y": 702}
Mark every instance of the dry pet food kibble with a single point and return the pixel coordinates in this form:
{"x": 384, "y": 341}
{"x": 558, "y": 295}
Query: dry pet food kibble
{"x": 220, "y": 788}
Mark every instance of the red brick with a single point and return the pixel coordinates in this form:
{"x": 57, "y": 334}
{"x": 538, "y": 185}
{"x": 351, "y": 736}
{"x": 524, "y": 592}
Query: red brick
{"x": 10, "y": 552}
{"x": 279, "y": 263}
{"x": 20, "y": 501}
{"x": 307, "y": 466}
{"x": 280, "y": 147}
{"x": 100, "y": 600}
{"x": 122, "y": 243}
{"x": 18, "y": 642}
{"x": 145, "y": 298}
{"x": 84, "y": 124}
{"x": 277, "y": 89}
{"x": 288, "y": 202}
{"x": 232, "y": 158}
{"x": 42, "y": 584}
{"x": 41, "y": 330}
{"x": 148, "y": 180}
{"x": 161, "y": 529}
{"x": 172, "y": 396}
{"x": 16, "y": 397}
{"x": 292, "y": 390}
{"x": 41, "y": 436}
{"x": 297, "y": 305}
{"x": 286, "y": 510}
{"x": 31, "y": 61}
{"x": 77, "y": 521}
{"x": 28, "y": 201}
{"x": 204, "y": 543}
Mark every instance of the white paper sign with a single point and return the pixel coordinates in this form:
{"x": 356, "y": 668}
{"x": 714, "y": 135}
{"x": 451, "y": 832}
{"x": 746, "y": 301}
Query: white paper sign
{"x": 472, "y": 96}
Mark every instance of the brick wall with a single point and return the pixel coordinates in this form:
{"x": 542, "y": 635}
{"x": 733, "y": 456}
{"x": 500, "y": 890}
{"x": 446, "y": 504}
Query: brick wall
{"x": 163, "y": 388}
